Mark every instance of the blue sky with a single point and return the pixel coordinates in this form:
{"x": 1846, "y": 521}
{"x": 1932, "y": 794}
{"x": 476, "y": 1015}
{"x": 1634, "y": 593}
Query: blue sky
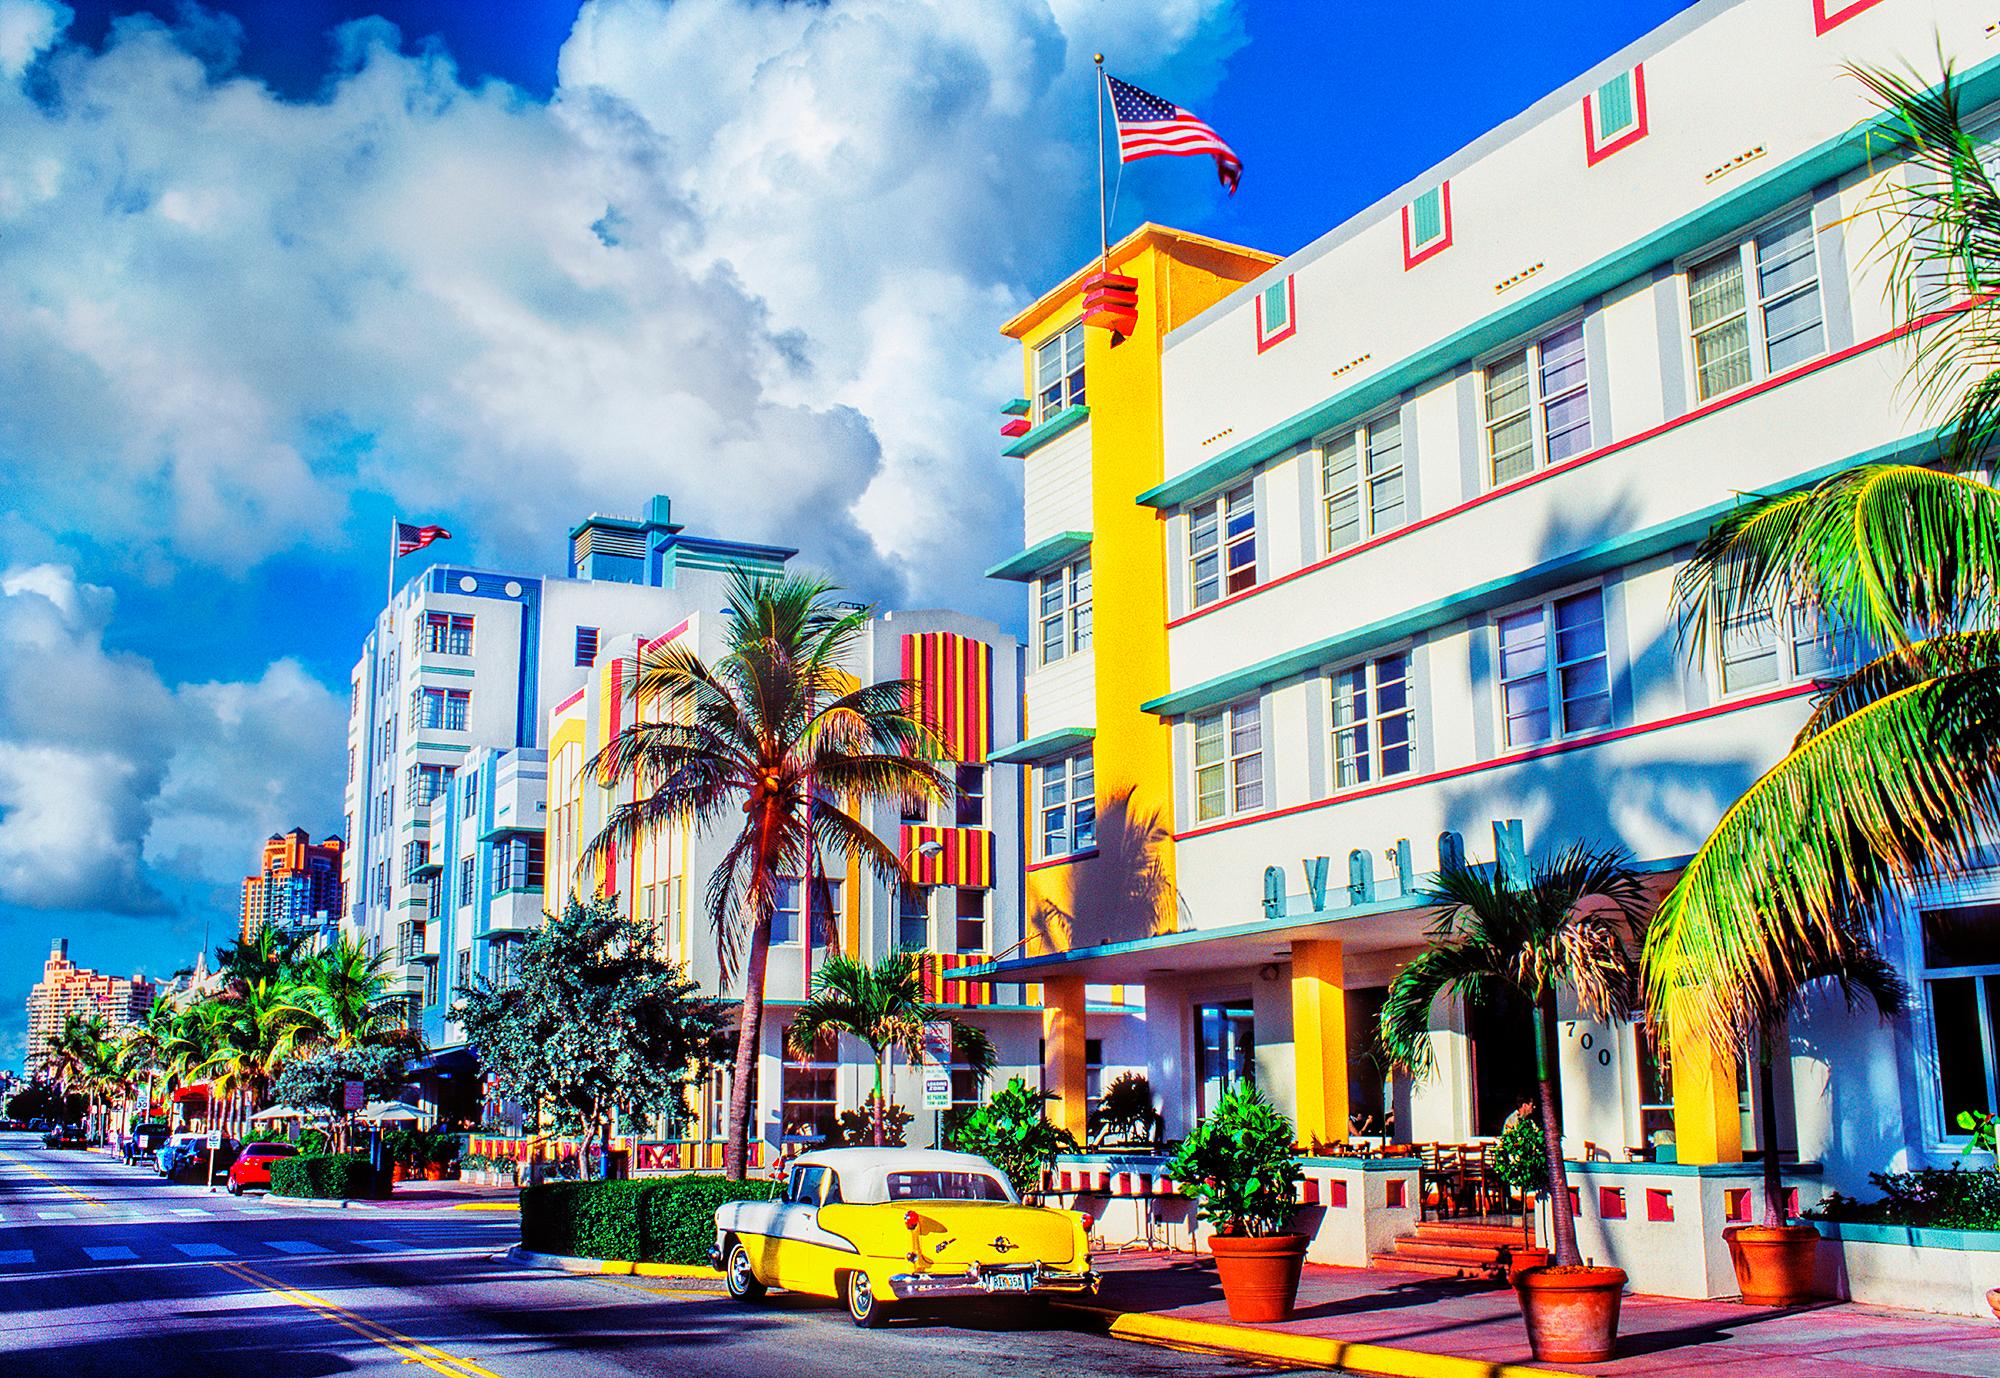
{"x": 271, "y": 272}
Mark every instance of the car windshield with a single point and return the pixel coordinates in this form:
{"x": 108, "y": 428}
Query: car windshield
{"x": 944, "y": 1186}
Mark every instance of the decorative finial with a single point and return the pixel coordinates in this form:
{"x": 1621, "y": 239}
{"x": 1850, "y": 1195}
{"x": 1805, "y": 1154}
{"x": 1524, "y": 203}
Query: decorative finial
{"x": 1098, "y": 59}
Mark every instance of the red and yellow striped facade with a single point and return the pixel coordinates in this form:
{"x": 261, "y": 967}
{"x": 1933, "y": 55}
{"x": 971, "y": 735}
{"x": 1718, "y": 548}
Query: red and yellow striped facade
{"x": 952, "y": 690}
{"x": 965, "y": 858}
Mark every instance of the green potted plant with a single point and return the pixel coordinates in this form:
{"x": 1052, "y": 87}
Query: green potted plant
{"x": 1013, "y": 1132}
{"x": 1521, "y": 1159}
{"x": 1241, "y": 1165}
{"x": 1563, "y": 923}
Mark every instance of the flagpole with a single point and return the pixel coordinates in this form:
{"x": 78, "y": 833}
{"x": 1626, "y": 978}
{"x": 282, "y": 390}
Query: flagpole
{"x": 1103, "y": 223}
{"x": 390, "y": 603}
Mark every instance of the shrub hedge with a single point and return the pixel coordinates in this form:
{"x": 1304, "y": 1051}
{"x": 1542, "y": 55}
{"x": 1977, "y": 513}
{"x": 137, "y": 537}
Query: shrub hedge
{"x": 648, "y": 1220}
{"x": 1953, "y": 1198}
{"x": 327, "y": 1177}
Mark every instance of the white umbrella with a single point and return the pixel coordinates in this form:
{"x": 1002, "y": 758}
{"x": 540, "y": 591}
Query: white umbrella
{"x": 279, "y": 1112}
{"x": 383, "y": 1110}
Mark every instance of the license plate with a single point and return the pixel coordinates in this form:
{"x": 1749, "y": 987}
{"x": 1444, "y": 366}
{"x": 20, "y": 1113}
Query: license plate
{"x": 1007, "y": 1282}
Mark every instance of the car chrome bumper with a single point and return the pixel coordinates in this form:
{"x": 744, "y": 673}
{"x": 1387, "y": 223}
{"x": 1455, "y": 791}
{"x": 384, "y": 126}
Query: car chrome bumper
{"x": 975, "y": 1282}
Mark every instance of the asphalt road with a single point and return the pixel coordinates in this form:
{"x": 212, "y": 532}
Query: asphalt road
{"x": 108, "y": 1270}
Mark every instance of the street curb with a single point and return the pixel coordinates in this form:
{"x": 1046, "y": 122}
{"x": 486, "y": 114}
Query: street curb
{"x": 618, "y": 1267}
{"x": 1314, "y": 1351}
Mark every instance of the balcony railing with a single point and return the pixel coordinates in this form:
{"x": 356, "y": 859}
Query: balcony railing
{"x": 943, "y": 988}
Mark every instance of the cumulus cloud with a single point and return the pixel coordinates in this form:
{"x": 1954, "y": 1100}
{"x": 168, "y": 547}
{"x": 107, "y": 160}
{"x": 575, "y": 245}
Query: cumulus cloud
{"x": 751, "y": 254}
{"x": 115, "y": 786}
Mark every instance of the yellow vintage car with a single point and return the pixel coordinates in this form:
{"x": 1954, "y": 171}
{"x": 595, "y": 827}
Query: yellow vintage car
{"x": 875, "y": 1227}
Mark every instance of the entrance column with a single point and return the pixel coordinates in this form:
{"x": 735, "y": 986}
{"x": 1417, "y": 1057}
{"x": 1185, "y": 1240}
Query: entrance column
{"x": 1065, "y": 1066}
{"x": 1319, "y": 1041}
{"x": 1707, "y": 1123}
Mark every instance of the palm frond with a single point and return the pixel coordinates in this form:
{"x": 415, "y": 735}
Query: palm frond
{"x": 1888, "y": 674}
{"x": 1902, "y": 790}
{"x": 1403, "y": 1034}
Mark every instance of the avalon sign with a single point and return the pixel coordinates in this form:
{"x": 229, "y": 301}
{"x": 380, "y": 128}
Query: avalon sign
{"x": 1508, "y": 849}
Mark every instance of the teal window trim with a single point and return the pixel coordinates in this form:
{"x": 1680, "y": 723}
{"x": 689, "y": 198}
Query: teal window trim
{"x": 1067, "y": 419}
{"x": 1427, "y": 218}
{"x": 1727, "y": 215}
{"x": 1041, "y": 556}
{"x": 1045, "y": 747}
{"x": 1504, "y": 591}
{"x": 1017, "y": 407}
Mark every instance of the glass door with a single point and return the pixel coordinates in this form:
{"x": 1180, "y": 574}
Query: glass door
{"x": 1228, "y": 1048}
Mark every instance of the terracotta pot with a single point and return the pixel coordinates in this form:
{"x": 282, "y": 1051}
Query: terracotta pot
{"x": 1572, "y": 1313}
{"x": 395, "y": 1172}
{"x": 433, "y": 1172}
{"x": 1525, "y": 1256}
{"x": 1774, "y": 1263}
{"x": 1260, "y": 1274}
{"x": 1993, "y": 1301}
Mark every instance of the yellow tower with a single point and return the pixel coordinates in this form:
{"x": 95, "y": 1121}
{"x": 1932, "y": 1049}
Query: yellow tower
{"x": 1088, "y": 431}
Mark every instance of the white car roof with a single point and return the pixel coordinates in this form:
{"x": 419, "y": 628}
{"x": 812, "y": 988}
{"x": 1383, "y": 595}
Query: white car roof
{"x": 864, "y": 1172}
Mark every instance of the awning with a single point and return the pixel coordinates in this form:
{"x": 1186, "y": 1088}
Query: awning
{"x": 198, "y": 1091}
{"x": 382, "y": 1111}
{"x": 1040, "y": 556}
{"x": 1043, "y": 747}
{"x": 279, "y": 1112}
{"x": 459, "y": 1061}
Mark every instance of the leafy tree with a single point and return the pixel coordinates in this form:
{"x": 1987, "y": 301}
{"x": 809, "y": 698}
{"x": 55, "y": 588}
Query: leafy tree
{"x": 885, "y": 1007}
{"x": 778, "y": 732}
{"x": 1566, "y": 925}
{"x": 1895, "y": 776}
{"x": 40, "y": 1101}
{"x": 594, "y": 1023}
{"x": 1013, "y": 1132}
{"x": 1241, "y": 1164}
{"x": 318, "y": 1081}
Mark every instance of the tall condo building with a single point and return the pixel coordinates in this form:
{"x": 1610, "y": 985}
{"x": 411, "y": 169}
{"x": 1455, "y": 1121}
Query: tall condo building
{"x": 66, "y": 989}
{"x": 297, "y": 888}
{"x": 1384, "y": 536}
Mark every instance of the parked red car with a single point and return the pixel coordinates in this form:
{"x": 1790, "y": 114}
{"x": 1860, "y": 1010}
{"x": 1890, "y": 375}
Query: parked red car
{"x": 252, "y": 1167}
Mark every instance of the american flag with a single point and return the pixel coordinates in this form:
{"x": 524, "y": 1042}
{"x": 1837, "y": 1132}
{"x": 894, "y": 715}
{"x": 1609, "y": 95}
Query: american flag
{"x": 1149, "y": 127}
{"x": 410, "y": 539}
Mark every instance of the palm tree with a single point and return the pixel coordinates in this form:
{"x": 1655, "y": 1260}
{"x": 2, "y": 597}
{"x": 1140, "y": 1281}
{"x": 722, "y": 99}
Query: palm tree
{"x": 345, "y": 987}
{"x": 1895, "y": 776}
{"x": 885, "y": 1007}
{"x": 259, "y": 1027}
{"x": 1566, "y": 925}
{"x": 777, "y": 730}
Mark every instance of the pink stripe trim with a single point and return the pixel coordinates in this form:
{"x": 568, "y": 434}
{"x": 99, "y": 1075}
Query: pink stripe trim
{"x": 1515, "y": 758}
{"x": 1776, "y": 380}
{"x": 570, "y": 702}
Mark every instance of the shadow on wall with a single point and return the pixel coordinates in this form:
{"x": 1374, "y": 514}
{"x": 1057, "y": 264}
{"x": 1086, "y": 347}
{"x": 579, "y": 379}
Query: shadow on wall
{"x": 1122, "y": 894}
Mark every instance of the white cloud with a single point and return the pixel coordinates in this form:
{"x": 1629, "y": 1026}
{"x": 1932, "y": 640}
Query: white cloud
{"x": 111, "y": 782}
{"x": 753, "y": 254}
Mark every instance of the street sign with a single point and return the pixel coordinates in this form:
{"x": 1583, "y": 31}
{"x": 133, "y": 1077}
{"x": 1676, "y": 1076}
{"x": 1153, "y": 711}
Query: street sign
{"x": 214, "y": 1139}
{"x": 353, "y": 1095}
{"x": 937, "y": 1065}
{"x": 937, "y": 1089}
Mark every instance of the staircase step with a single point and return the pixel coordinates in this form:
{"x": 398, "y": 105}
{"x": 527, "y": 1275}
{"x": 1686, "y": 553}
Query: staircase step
{"x": 1458, "y": 1232}
{"x": 1429, "y": 1251}
{"x": 1462, "y": 1272}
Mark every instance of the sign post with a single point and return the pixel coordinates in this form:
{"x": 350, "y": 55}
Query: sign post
{"x": 937, "y": 1076}
{"x": 214, "y": 1143}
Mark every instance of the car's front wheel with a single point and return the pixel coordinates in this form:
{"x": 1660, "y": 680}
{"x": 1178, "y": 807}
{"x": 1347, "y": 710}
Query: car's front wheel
{"x": 868, "y": 1310}
{"x": 740, "y": 1276}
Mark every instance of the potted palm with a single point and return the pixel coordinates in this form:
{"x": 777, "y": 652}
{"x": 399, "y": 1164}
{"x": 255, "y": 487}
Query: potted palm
{"x": 1565, "y": 924}
{"x": 1521, "y": 1159}
{"x": 1241, "y": 1165}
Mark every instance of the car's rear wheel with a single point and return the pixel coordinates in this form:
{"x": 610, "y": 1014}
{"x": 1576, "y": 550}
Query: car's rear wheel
{"x": 868, "y": 1310}
{"x": 740, "y": 1276}
{"x": 235, "y": 1187}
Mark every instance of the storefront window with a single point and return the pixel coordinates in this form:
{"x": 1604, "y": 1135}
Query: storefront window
{"x": 1228, "y": 1048}
{"x": 1962, "y": 990}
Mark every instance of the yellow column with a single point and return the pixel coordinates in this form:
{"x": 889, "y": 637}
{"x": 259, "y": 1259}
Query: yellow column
{"x": 1065, "y": 1069}
{"x": 1707, "y": 1126}
{"x": 1319, "y": 1041}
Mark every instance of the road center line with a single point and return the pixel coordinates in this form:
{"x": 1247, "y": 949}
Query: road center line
{"x": 411, "y": 1350}
{"x": 59, "y": 1186}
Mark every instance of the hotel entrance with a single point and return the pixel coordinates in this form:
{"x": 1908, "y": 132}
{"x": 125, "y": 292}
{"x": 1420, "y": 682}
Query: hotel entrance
{"x": 1501, "y": 1030}
{"x": 1228, "y": 1034}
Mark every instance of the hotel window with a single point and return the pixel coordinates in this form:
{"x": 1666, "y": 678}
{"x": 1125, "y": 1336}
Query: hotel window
{"x": 415, "y": 855}
{"x": 426, "y": 783}
{"x": 471, "y": 809}
{"x": 586, "y": 646}
{"x": 440, "y": 708}
{"x": 1059, "y": 373}
{"x": 1374, "y": 725}
{"x": 971, "y": 802}
{"x": 1229, "y": 762}
{"x": 1547, "y": 695}
{"x": 1361, "y": 482}
{"x": 785, "y": 917}
{"x": 971, "y": 919}
{"x": 517, "y": 864}
{"x": 1537, "y": 405}
{"x": 350, "y": 765}
{"x": 1063, "y": 610}
{"x": 809, "y": 1089}
{"x": 1222, "y": 545}
{"x": 1962, "y": 994}
{"x": 913, "y": 916}
{"x": 1069, "y": 805}
{"x": 1752, "y": 654}
{"x": 467, "y": 867}
{"x": 447, "y": 633}
{"x": 464, "y": 973}
{"x": 430, "y": 982}
{"x": 1754, "y": 309}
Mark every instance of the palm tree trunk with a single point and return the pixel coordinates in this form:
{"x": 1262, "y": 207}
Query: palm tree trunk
{"x": 1562, "y": 1216}
{"x": 1775, "y": 1206}
{"x": 749, "y": 1032}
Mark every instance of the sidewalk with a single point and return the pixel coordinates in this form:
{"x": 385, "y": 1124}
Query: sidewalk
{"x": 421, "y": 1196}
{"x": 1482, "y": 1323}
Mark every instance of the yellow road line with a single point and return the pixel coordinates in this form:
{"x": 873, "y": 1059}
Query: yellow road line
{"x": 59, "y": 1186}
{"x": 411, "y": 1351}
